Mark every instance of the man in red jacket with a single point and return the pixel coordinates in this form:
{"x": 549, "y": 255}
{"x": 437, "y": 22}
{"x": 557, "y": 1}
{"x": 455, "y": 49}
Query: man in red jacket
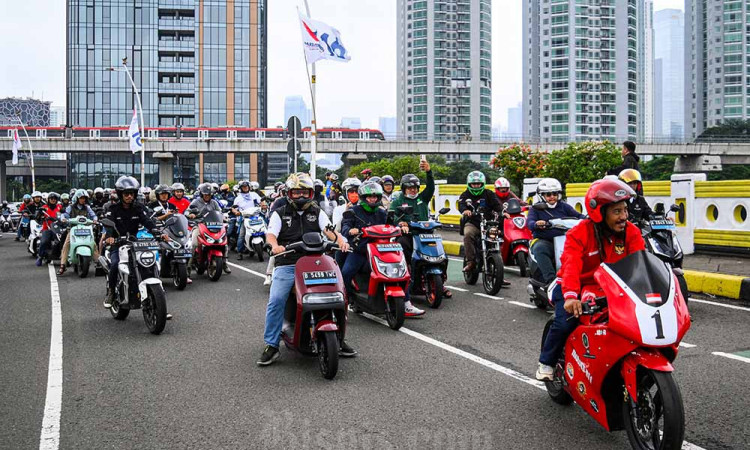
{"x": 178, "y": 198}
{"x": 47, "y": 214}
{"x": 605, "y": 237}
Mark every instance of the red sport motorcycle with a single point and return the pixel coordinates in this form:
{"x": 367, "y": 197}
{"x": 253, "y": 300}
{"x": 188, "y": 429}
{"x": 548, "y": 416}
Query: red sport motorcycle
{"x": 380, "y": 288}
{"x": 617, "y": 363}
{"x": 517, "y": 236}
{"x": 210, "y": 254}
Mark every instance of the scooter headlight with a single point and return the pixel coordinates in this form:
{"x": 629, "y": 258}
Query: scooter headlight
{"x": 493, "y": 233}
{"x": 208, "y": 238}
{"x": 146, "y": 259}
{"x": 323, "y": 298}
{"x": 391, "y": 270}
{"x": 174, "y": 244}
{"x": 433, "y": 259}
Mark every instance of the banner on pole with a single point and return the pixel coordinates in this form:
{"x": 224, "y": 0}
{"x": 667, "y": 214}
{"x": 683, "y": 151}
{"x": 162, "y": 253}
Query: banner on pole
{"x": 321, "y": 41}
{"x": 16, "y": 146}
{"x": 135, "y": 135}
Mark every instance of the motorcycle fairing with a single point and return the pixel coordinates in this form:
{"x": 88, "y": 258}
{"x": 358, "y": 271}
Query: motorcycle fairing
{"x": 644, "y": 357}
{"x": 143, "y": 286}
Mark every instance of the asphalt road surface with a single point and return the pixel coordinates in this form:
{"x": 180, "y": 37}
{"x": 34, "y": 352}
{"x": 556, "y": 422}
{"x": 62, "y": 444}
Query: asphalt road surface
{"x": 460, "y": 377}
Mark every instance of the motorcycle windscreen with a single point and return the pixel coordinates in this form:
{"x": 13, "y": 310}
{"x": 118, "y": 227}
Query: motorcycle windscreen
{"x": 214, "y": 221}
{"x": 178, "y": 225}
{"x": 644, "y": 304}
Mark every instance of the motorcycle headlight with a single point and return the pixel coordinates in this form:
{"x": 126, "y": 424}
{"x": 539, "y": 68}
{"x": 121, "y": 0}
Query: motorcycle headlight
{"x": 391, "y": 270}
{"x": 208, "y": 238}
{"x": 433, "y": 259}
{"x": 323, "y": 297}
{"x": 174, "y": 244}
{"x": 146, "y": 259}
{"x": 493, "y": 233}
{"x": 677, "y": 247}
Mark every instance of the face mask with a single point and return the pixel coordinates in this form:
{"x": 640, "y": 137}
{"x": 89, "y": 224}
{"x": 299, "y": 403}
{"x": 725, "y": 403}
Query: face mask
{"x": 353, "y": 197}
{"x": 411, "y": 196}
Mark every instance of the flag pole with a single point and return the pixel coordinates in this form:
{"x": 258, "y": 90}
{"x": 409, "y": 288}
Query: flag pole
{"x": 143, "y": 123}
{"x": 31, "y": 152}
{"x": 313, "y": 124}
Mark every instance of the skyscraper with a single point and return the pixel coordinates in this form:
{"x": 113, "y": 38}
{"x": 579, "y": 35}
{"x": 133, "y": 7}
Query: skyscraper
{"x": 444, "y": 69}
{"x": 669, "y": 52}
{"x": 515, "y": 122}
{"x": 196, "y": 64}
{"x": 295, "y": 105}
{"x": 582, "y": 70}
{"x": 388, "y": 126}
{"x": 717, "y": 81}
{"x": 646, "y": 72}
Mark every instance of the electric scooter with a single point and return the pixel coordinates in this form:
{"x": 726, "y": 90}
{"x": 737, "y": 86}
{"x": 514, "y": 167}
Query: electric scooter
{"x": 429, "y": 263}
{"x": 82, "y": 244}
{"x": 515, "y": 248}
{"x": 255, "y": 231}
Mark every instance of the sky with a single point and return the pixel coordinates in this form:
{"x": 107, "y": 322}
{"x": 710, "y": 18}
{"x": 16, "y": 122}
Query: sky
{"x": 365, "y": 87}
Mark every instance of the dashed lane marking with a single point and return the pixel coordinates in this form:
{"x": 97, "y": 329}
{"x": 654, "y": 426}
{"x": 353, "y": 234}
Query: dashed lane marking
{"x": 488, "y": 296}
{"x": 262, "y": 275}
{"x": 686, "y": 345}
{"x": 731, "y": 356}
{"x": 457, "y": 288}
{"x": 50, "y": 435}
{"x": 525, "y": 305}
{"x": 724, "y": 305}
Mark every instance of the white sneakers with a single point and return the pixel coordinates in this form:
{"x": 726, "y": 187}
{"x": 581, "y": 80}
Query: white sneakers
{"x": 411, "y": 310}
{"x": 545, "y": 372}
{"x": 267, "y": 282}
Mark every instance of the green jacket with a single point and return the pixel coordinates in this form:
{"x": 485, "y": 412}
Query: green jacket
{"x": 421, "y": 204}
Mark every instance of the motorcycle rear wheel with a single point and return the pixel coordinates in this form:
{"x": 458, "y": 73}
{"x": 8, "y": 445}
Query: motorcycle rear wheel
{"x": 155, "y": 309}
{"x": 433, "y": 292}
{"x": 328, "y": 354}
{"x": 179, "y": 276}
{"x": 215, "y": 268}
{"x": 657, "y": 420}
{"x": 259, "y": 251}
{"x": 492, "y": 277}
{"x": 522, "y": 261}
{"x": 555, "y": 387}
{"x": 472, "y": 277}
{"x": 395, "y": 313}
{"x": 83, "y": 266}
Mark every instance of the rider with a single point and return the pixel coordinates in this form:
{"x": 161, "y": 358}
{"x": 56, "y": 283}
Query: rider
{"x": 366, "y": 174}
{"x": 388, "y": 184}
{"x": 503, "y": 192}
{"x": 99, "y": 198}
{"x": 127, "y": 215}
{"x": 246, "y": 199}
{"x": 77, "y": 209}
{"x": 367, "y": 212}
{"x": 637, "y": 206}
{"x": 225, "y": 193}
{"x": 113, "y": 199}
{"x": 65, "y": 201}
{"x": 543, "y": 247}
{"x": 178, "y": 198}
{"x": 480, "y": 197}
{"x": 287, "y": 225}
{"x": 47, "y": 214}
{"x": 605, "y": 237}
{"x": 199, "y": 207}
{"x": 22, "y": 210}
{"x": 351, "y": 190}
{"x": 163, "y": 193}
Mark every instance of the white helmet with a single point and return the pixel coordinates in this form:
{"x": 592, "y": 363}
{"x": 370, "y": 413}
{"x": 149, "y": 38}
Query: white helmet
{"x": 548, "y": 185}
{"x": 44, "y": 196}
{"x": 36, "y": 194}
{"x": 98, "y": 191}
{"x": 351, "y": 183}
{"x": 254, "y": 186}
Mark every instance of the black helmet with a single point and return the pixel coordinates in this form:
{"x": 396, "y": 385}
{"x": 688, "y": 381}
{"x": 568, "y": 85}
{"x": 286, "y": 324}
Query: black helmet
{"x": 206, "y": 189}
{"x": 387, "y": 179}
{"x": 161, "y": 189}
{"x": 54, "y": 195}
{"x": 126, "y": 184}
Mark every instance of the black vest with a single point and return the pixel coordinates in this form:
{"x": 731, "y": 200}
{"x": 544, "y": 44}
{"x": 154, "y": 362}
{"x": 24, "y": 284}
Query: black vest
{"x": 75, "y": 212}
{"x": 293, "y": 226}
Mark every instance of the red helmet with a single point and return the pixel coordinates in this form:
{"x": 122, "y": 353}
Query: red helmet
{"x": 502, "y": 183}
{"x": 604, "y": 192}
{"x": 366, "y": 172}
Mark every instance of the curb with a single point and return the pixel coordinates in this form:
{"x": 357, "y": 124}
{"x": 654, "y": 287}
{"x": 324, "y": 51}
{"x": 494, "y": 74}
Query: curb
{"x": 729, "y": 286}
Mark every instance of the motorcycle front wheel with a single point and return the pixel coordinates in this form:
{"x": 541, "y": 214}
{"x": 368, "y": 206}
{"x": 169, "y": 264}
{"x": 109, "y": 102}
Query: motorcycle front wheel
{"x": 656, "y": 420}
{"x": 83, "y": 266}
{"x": 155, "y": 309}
{"x": 395, "y": 312}
{"x": 492, "y": 277}
{"x": 472, "y": 277}
{"x": 259, "y": 251}
{"x": 215, "y": 268}
{"x": 179, "y": 276}
{"x": 522, "y": 261}
{"x": 434, "y": 290}
{"x": 328, "y": 354}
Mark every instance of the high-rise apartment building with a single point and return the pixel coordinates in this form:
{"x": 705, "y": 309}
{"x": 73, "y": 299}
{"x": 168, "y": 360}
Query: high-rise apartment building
{"x": 582, "y": 69}
{"x": 646, "y": 73}
{"x": 197, "y": 63}
{"x": 716, "y": 64}
{"x": 669, "y": 57}
{"x": 444, "y": 69}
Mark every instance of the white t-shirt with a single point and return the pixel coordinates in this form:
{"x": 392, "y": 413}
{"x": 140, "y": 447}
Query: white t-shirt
{"x": 274, "y": 224}
{"x": 338, "y": 216}
{"x": 242, "y": 203}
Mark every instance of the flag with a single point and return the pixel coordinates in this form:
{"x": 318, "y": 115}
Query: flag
{"x": 321, "y": 41}
{"x": 135, "y": 135}
{"x": 652, "y": 299}
{"x": 16, "y": 146}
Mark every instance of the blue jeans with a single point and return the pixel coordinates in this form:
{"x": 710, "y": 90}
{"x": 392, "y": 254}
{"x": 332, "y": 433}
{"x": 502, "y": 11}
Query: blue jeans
{"x": 354, "y": 263}
{"x": 241, "y": 239}
{"x": 20, "y": 227}
{"x": 559, "y": 331}
{"x": 544, "y": 254}
{"x": 281, "y": 284}
{"x": 114, "y": 260}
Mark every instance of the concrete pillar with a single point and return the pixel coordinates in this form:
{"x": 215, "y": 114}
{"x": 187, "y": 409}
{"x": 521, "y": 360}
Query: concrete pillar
{"x": 352, "y": 159}
{"x": 3, "y": 177}
{"x": 166, "y": 167}
{"x": 697, "y": 163}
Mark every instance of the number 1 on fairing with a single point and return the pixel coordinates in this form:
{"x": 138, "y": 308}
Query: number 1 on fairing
{"x": 659, "y": 327}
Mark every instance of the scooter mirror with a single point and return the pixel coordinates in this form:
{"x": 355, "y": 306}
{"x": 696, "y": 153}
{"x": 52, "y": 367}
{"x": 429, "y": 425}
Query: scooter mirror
{"x": 108, "y": 223}
{"x": 444, "y": 211}
{"x": 312, "y": 239}
{"x": 405, "y": 210}
{"x": 674, "y": 208}
{"x": 541, "y": 206}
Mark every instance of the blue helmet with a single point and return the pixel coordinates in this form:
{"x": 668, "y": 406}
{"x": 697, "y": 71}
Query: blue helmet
{"x": 27, "y": 197}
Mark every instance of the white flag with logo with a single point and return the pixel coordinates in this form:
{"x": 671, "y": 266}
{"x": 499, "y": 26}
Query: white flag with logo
{"x": 16, "y": 146}
{"x": 321, "y": 41}
{"x": 135, "y": 135}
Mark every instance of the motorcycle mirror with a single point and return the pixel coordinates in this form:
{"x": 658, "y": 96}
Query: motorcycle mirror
{"x": 108, "y": 223}
{"x": 443, "y": 211}
{"x": 158, "y": 210}
{"x": 312, "y": 239}
{"x": 674, "y": 208}
{"x": 541, "y": 206}
{"x": 405, "y": 210}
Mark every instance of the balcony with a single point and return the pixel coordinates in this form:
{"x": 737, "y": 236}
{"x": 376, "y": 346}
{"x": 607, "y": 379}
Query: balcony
{"x": 177, "y": 88}
{"x": 177, "y": 66}
{"x": 171, "y": 44}
{"x": 186, "y": 23}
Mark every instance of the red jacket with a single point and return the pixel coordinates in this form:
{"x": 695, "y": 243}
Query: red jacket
{"x": 53, "y": 212}
{"x": 580, "y": 257}
{"x": 181, "y": 204}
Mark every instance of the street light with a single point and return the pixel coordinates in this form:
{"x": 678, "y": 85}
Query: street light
{"x": 140, "y": 113}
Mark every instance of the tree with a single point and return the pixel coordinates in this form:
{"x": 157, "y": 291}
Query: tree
{"x": 582, "y": 162}
{"x": 659, "y": 168}
{"x": 519, "y": 161}
{"x": 53, "y": 186}
{"x": 400, "y": 166}
{"x": 14, "y": 190}
{"x": 730, "y": 130}
{"x": 459, "y": 169}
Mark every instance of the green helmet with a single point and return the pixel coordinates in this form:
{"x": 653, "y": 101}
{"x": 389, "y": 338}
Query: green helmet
{"x": 475, "y": 177}
{"x": 370, "y": 188}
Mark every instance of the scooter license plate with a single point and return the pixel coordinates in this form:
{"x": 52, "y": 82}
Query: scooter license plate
{"x": 321, "y": 277}
{"x": 430, "y": 237}
{"x": 389, "y": 247}
{"x": 83, "y": 232}
{"x": 662, "y": 224}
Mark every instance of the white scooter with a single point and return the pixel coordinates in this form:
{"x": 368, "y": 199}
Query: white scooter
{"x": 35, "y": 235}
{"x": 255, "y": 231}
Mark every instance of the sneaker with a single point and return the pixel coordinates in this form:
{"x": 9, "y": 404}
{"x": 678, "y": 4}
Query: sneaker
{"x": 545, "y": 372}
{"x": 506, "y": 283}
{"x": 189, "y": 280}
{"x": 346, "y": 351}
{"x": 18, "y": 238}
{"x": 447, "y": 293}
{"x": 39, "y": 262}
{"x": 239, "y": 257}
{"x": 267, "y": 282}
{"x": 227, "y": 269}
{"x": 270, "y": 354}
{"x": 412, "y": 311}
{"x": 169, "y": 316}
{"x": 108, "y": 301}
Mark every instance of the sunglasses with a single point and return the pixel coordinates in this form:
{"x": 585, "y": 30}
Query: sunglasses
{"x": 551, "y": 194}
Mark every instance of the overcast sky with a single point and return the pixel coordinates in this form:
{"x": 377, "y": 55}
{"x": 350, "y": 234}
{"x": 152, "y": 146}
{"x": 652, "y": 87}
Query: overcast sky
{"x": 32, "y": 36}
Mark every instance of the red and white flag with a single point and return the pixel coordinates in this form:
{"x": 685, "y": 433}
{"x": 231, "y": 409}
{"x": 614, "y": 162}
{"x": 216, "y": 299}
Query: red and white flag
{"x": 16, "y": 146}
{"x": 653, "y": 298}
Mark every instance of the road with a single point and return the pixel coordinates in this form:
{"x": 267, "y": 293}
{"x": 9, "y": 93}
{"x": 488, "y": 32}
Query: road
{"x": 460, "y": 377}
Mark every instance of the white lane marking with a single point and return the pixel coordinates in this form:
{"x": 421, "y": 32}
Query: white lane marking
{"x": 262, "y": 275}
{"x": 50, "y": 435}
{"x": 741, "y": 308}
{"x": 686, "y": 345}
{"x": 688, "y": 446}
{"x": 489, "y": 364}
{"x": 515, "y": 270}
{"x": 488, "y": 296}
{"x": 731, "y": 356}
{"x": 456, "y": 259}
{"x": 457, "y": 288}
{"x": 525, "y": 305}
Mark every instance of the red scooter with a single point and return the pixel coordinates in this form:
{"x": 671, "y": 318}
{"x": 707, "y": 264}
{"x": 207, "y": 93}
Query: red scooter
{"x": 380, "y": 290}
{"x": 617, "y": 362}
{"x": 210, "y": 254}
{"x": 315, "y": 311}
{"x": 515, "y": 248}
